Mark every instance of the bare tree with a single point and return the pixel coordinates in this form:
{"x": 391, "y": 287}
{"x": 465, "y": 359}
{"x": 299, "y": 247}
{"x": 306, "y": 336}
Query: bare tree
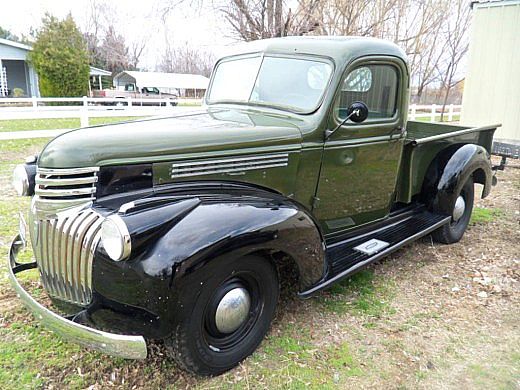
{"x": 413, "y": 24}
{"x": 433, "y": 33}
{"x": 457, "y": 45}
{"x": 93, "y": 30}
{"x": 107, "y": 48}
{"x": 258, "y": 19}
{"x": 419, "y": 32}
{"x": 135, "y": 51}
{"x": 114, "y": 51}
{"x": 186, "y": 59}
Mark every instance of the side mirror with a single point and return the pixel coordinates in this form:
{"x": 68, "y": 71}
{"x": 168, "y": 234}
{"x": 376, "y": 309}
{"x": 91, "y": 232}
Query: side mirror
{"x": 358, "y": 112}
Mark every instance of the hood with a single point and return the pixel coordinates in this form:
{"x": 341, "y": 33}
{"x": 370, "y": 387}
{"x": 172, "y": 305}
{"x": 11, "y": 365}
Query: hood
{"x": 212, "y": 132}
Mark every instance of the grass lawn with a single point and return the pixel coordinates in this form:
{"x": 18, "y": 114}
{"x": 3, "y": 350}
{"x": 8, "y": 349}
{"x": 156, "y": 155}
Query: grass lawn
{"x": 58, "y": 123}
{"x": 398, "y": 324}
{"x": 456, "y": 118}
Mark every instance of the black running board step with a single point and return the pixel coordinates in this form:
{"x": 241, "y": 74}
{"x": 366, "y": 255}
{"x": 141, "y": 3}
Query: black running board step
{"x": 343, "y": 259}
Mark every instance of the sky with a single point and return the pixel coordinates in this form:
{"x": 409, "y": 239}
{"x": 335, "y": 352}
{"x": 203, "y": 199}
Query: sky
{"x": 191, "y": 22}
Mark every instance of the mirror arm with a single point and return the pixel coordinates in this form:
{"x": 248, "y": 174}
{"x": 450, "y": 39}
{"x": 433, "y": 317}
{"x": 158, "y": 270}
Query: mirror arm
{"x": 328, "y": 133}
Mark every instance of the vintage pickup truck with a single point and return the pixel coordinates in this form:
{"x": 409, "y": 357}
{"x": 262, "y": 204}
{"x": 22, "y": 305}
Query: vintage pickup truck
{"x": 147, "y": 96}
{"x": 176, "y": 228}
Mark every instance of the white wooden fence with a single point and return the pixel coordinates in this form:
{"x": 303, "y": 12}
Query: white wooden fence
{"x": 86, "y": 107}
{"x": 432, "y": 113}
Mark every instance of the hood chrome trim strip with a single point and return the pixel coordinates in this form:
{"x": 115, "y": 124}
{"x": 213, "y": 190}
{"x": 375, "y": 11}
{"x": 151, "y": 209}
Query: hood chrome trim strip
{"x": 228, "y": 165}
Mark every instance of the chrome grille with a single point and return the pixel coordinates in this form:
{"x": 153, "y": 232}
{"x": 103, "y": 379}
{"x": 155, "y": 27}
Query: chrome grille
{"x": 228, "y": 165}
{"x": 64, "y": 250}
{"x": 67, "y": 185}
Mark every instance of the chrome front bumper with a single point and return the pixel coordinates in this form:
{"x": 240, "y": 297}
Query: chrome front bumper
{"x": 128, "y": 347}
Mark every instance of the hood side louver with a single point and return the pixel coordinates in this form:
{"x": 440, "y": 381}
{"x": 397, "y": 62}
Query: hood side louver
{"x": 228, "y": 165}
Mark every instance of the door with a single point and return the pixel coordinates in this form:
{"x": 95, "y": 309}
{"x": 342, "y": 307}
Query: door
{"x": 361, "y": 160}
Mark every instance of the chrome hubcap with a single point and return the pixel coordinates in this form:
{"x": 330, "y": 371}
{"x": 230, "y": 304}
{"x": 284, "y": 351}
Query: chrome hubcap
{"x": 458, "y": 210}
{"x": 232, "y": 310}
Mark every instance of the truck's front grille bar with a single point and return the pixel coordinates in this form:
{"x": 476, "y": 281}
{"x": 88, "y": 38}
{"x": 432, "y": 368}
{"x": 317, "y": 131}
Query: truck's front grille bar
{"x": 67, "y": 184}
{"x": 64, "y": 249}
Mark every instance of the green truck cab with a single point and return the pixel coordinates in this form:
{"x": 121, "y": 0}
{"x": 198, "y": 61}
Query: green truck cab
{"x": 177, "y": 228}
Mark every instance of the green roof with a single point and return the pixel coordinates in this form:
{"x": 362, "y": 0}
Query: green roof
{"x": 341, "y": 49}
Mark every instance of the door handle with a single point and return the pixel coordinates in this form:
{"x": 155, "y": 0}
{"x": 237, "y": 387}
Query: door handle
{"x": 399, "y": 130}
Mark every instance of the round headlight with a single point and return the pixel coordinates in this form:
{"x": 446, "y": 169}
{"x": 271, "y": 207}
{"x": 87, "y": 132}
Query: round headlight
{"x": 115, "y": 238}
{"x": 21, "y": 180}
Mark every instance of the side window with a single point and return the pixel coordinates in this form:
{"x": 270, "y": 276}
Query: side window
{"x": 374, "y": 85}
{"x": 359, "y": 80}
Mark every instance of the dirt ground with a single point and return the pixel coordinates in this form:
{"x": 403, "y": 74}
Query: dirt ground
{"x": 428, "y": 317}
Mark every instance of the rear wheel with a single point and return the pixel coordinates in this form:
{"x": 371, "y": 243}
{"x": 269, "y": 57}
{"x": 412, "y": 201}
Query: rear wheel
{"x": 452, "y": 232}
{"x": 229, "y": 319}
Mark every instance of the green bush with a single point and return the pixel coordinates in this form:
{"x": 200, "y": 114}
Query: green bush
{"x": 60, "y": 58}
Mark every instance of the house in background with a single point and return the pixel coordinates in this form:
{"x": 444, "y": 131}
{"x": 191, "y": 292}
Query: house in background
{"x": 180, "y": 84}
{"x": 95, "y": 81}
{"x": 15, "y": 71}
{"x": 492, "y": 86}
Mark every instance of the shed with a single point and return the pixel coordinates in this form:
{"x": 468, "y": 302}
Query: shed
{"x": 181, "y": 84}
{"x": 492, "y": 86}
{"x": 16, "y": 71}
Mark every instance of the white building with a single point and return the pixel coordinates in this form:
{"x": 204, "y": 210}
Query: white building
{"x": 492, "y": 86}
{"x": 185, "y": 85}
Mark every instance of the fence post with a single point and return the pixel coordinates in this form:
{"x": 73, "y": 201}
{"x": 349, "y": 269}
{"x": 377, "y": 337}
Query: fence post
{"x": 129, "y": 102}
{"x": 414, "y": 112}
{"x": 434, "y": 112}
{"x": 450, "y": 113}
{"x": 34, "y": 102}
{"x": 83, "y": 118}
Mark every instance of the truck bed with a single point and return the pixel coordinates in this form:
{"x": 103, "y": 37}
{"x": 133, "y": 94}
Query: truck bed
{"x": 423, "y": 132}
{"x": 419, "y": 130}
{"x": 424, "y": 141}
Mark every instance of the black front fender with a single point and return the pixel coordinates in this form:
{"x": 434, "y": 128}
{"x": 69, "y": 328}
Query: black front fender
{"x": 234, "y": 228}
{"x": 174, "y": 239}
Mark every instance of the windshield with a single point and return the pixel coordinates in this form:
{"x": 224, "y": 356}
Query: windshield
{"x": 294, "y": 83}
{"x": 150, "y": 90}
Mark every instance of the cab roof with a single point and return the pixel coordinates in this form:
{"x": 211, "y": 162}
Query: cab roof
{"x": 342, "y": 49}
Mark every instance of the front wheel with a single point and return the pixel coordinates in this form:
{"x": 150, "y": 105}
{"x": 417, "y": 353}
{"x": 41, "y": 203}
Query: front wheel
{"x": 229, "y": 318}
{"x": 454, "y": 230}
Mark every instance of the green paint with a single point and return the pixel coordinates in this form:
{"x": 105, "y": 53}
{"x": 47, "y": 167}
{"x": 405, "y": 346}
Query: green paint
{"x": 352, "y": 178}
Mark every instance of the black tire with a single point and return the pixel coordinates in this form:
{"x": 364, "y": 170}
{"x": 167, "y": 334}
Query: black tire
{"x": 196, "y": 343}
{"x": 453, "y": 231}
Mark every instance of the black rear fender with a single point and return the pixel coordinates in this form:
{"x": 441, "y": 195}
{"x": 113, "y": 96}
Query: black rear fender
{"x": 450, "y": 170}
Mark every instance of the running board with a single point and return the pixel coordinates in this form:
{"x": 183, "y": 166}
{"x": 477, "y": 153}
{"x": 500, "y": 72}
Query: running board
{"x": 346, "y": 257}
